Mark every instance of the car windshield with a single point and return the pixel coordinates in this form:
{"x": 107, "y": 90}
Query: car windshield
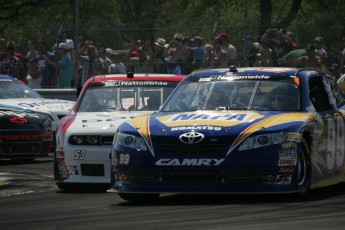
{"x": 111, "y": 97}
{"x": 13, "y": 88}
{"x": 234, "y": 95}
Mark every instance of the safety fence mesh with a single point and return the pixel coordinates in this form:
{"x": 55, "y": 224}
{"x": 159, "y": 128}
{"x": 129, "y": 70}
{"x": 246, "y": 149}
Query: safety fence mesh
{"x": 119, "y": 24}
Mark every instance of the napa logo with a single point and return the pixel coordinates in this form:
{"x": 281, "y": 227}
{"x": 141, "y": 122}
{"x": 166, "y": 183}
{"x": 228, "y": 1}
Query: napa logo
{"x": 224, "y": 119}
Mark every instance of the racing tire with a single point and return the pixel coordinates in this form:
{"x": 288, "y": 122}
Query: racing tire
{"x": 304, "y": 169}
{"x": 139, "y": 197}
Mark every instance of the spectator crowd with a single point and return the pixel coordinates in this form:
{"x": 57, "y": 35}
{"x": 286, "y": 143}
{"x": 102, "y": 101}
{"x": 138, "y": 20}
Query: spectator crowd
{"x": 43, "y": 65}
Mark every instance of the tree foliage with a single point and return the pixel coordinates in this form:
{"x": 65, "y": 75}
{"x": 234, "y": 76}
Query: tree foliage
{"x": 115, "y": 23}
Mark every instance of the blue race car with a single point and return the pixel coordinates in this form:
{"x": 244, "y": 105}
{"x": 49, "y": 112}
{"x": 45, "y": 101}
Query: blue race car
{"x": 245, "y": 130}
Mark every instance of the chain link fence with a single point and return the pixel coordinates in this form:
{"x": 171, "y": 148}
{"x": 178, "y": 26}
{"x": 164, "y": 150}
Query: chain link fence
{"x": 119, "y": 24}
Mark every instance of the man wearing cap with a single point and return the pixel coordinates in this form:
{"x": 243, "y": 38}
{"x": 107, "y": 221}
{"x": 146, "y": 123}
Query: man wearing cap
{"x": 231, "y": 51}
{"x": 65, "y": 67}
{"x": 158, "y": 56}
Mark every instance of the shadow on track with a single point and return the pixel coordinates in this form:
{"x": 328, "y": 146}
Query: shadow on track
{"x": 220, "y": 199}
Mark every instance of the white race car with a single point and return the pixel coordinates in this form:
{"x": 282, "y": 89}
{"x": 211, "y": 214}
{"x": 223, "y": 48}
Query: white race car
{"x": 84, "y": 137}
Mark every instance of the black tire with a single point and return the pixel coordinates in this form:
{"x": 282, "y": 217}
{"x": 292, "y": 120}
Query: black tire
{"x": 304, "y": 168}
{"x": 139, "y": 197}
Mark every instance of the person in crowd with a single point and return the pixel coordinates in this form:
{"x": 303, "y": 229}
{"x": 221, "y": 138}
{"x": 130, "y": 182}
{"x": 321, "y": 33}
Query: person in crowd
{"x": 34, "y": 74}
{"x": 309, "y": 60}
{"x": 220, "y": 57}
{"x": 176, "y": 55}
{"x": 47, "y": 68}
{"x": 31, "y": 50}
{"x": 2, "y": 49}
{"x": 117, "y": 66}
{"x": 65, "y": 66}
{"x": 230, "y": 49}
{"x": 279, "y": 42}
{"x": 158, "y": 56}
{"x": 104, "y": 60}
{"x": 208, "y": 55}
{"x": 90, "y": 64}
{"x": 62, "y": 38}
{"x": 187, "y": 52}
{"x": 144, "y": 64}
{"x": 198, "y": 52}
{"x": 319, "y": 50}
{"x": 249, "y": 55}
{"x": 335, "y": 70}
{"x": 264, "y": 55}
{"x": 11, "y": 64}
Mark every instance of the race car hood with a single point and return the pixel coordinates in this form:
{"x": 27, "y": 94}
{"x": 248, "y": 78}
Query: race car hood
{"x": 237, "y": 124}
{"x": 101, "y": 122}
{"x": 17, "y": 117}
{"x": 56, "y": 107}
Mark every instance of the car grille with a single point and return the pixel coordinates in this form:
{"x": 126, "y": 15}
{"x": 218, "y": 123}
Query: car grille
{"x": 24, "y": 140}
{"x": 92, "y": 169}
{"x": 210, "y": 145}
{"x": 13, "y": 127}
{"x": 142, "y": 176}
{"x": 191, "y": 178}
{"x": 246, "y": 176}
{"x": 24, "y": 149}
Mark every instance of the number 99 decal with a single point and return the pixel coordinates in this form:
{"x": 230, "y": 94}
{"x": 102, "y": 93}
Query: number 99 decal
{"x": 335, "y": 143}
{"x": 123, "y": 159}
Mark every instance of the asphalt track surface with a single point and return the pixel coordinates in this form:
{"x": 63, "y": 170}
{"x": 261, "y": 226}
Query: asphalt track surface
{"x": 29, "y": 199}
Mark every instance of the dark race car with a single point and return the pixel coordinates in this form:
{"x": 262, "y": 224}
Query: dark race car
{"x": 25, "y": 134}
{"x": 246, "y": 130}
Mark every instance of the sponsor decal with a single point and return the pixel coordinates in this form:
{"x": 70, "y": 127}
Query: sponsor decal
{"x": 269, "y": 178}
{"x": 286, "y": 170}
{"x": 220, "y": 119}
{"x": 288, "y": 154}
{"x": 51, "y": 104}
{"x": 202, "y": 116}
{"x": 72, "y": 170}
{"x": 297, "y": 137}
{"x": 141, "y": 83}
{"x": 21, "y": 137}
{"x": 96, "y": 120}
{"x": 18, "y": 120}
{"x": 17, "y": 114}
{"x": 249, "y": 77}
{"x": 289, "y": 145}
{"x": 287, "y": 162}
{"x": 189, "y": 162}
{"x": 283, "y": 179}
{"x": 197, "y": 127}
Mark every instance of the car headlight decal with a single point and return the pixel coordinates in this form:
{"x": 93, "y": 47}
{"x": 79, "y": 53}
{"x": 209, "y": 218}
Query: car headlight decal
{"x": 262, "y": 140}
{"x": 84, "y": 140}
{"x": 131, "y": 141}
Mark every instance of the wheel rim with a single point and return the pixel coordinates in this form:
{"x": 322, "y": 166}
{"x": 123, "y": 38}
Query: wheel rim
{"x": 302, "y": 169}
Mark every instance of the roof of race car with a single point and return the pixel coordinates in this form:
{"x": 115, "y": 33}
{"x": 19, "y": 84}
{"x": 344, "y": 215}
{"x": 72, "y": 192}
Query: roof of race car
{"x": 135, "y": 77}
{"x": 3, "y": 76}
{"x": 277, "y": 71}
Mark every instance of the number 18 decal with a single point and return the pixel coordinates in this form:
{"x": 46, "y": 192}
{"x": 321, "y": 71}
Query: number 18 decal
{"x": 335, "y": 143}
